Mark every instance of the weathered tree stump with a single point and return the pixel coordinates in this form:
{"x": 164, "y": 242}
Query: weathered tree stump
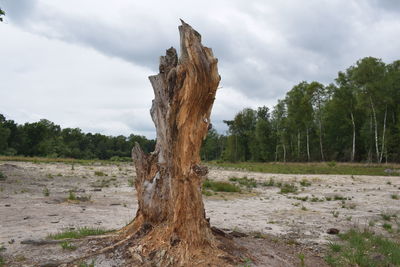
{"x": 170, "y": 227}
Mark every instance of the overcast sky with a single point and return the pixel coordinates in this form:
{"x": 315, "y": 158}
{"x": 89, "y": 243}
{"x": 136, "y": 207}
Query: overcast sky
{"x": 85, "y": 63}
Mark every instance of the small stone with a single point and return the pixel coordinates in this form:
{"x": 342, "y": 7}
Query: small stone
{"x": 333, "y": 231}
{"x": 7, "y": 205}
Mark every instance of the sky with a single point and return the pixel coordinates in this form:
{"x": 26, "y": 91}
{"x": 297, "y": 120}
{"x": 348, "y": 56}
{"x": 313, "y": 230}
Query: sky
{"x": 85, "y": 63}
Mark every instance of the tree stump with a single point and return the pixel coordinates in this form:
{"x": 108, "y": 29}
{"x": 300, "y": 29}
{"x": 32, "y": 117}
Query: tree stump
{"x": 170, "y": 227}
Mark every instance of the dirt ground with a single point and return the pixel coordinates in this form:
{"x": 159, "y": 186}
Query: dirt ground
{"x": 280, "y": 227}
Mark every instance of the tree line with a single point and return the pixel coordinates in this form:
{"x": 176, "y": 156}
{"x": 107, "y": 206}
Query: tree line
{"x": 355, "y": 118}
{"x": 46, "y": 139}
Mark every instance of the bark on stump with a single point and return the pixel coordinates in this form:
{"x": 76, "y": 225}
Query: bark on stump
{"x": 170, "y": 224}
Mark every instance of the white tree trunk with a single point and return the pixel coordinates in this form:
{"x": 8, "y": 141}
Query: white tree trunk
{"x": 383, "y": 136}
{"x": 353, "y": 152}
{"x": 308, "y": 145}
{"x": 376, "y": 130}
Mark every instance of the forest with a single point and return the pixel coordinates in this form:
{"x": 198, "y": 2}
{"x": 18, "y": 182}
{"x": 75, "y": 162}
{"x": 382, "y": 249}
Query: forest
{"x": 46, "y": 139}
{"x": 355, "y": 118}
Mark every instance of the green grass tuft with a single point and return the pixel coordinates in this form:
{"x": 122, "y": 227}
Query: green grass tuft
{"x": 305, "y": 182}
{"x": 364, "y": 249}
{"x": 79, "y": 233}
{"x": 220, "y": 186}
{"x": 249, "y": 183}
{"x": 288, "y": 188}
{"x": 67, "y": 246}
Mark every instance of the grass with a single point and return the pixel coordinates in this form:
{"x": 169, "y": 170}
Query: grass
{"x": 271, "y": 182}
{"x": 67, "y": 246}
{"x": 79, "y": 233}
{"x": 61, "y": 160}
{"x": 312, "y": 168}
{"x": 100, "y": 173}
{"x": 2, "y": 261}
{"x": 249, "y": 183}
{"x": 364, "y": 249}
{"x": 387, "y": 226}
{"x": 387, "y": 216}
{"x": 305, "y": 182}
{"x": 288, "y": 188}
{"x": 46, "y": 192}
{"x": 84, "y": 264}
{"x": 220, "y": 186}
{"x": 71, "y": 195}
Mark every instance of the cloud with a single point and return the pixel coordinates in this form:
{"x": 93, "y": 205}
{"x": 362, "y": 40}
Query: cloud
{"x": 108, "y": 50}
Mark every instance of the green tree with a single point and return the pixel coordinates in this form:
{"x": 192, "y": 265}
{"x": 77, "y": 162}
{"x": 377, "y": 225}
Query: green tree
{"x": 2, "y": 13}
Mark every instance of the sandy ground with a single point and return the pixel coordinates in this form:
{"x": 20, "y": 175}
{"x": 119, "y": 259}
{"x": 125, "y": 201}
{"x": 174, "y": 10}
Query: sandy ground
{"x": 27, "y": 213}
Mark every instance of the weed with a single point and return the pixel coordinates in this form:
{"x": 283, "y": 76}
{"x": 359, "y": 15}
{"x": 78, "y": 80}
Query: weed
{"x": 220, "y": 186}
{"x": 71, "y": 195}
{"x": 388, "y": 182}
{"x": 387, "y": 216}
{"x": 207, "y": 193}
{"x": 387, "y": 226}
{"x": 371, "y": 223}
{"x": 335, "y": 247}
{"x": 271, "y": 182}
{"x": 249, "y": 183}
{"x": 331, "y": 164}
{"x": 302, "y": 198}
{"x": 84, "y": 264}
{"x": 337, "y": 197}
{"x": 335, "y": 214}
{"x": 130, "y": 182}
{"x": 247, "y": 262}
{"x": 305, "y": 182}
{"x": 79, "y": 233}
{"x": 46, "y": 192}
{"x": 288, "y": 188}
{"x": 301, "y": 257}
{"x": 67, "y": 246}
{"x": 2, "y": 176}
{"x": 50, "y": 176}
{"x": 303, "y": 208}
{"x": 100, "y": 173}
{"x": 348, "y": 218}
{"x": 394, "y": 196}
{"x": 364, "y": 248}
{"x": 316, "y": 199}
